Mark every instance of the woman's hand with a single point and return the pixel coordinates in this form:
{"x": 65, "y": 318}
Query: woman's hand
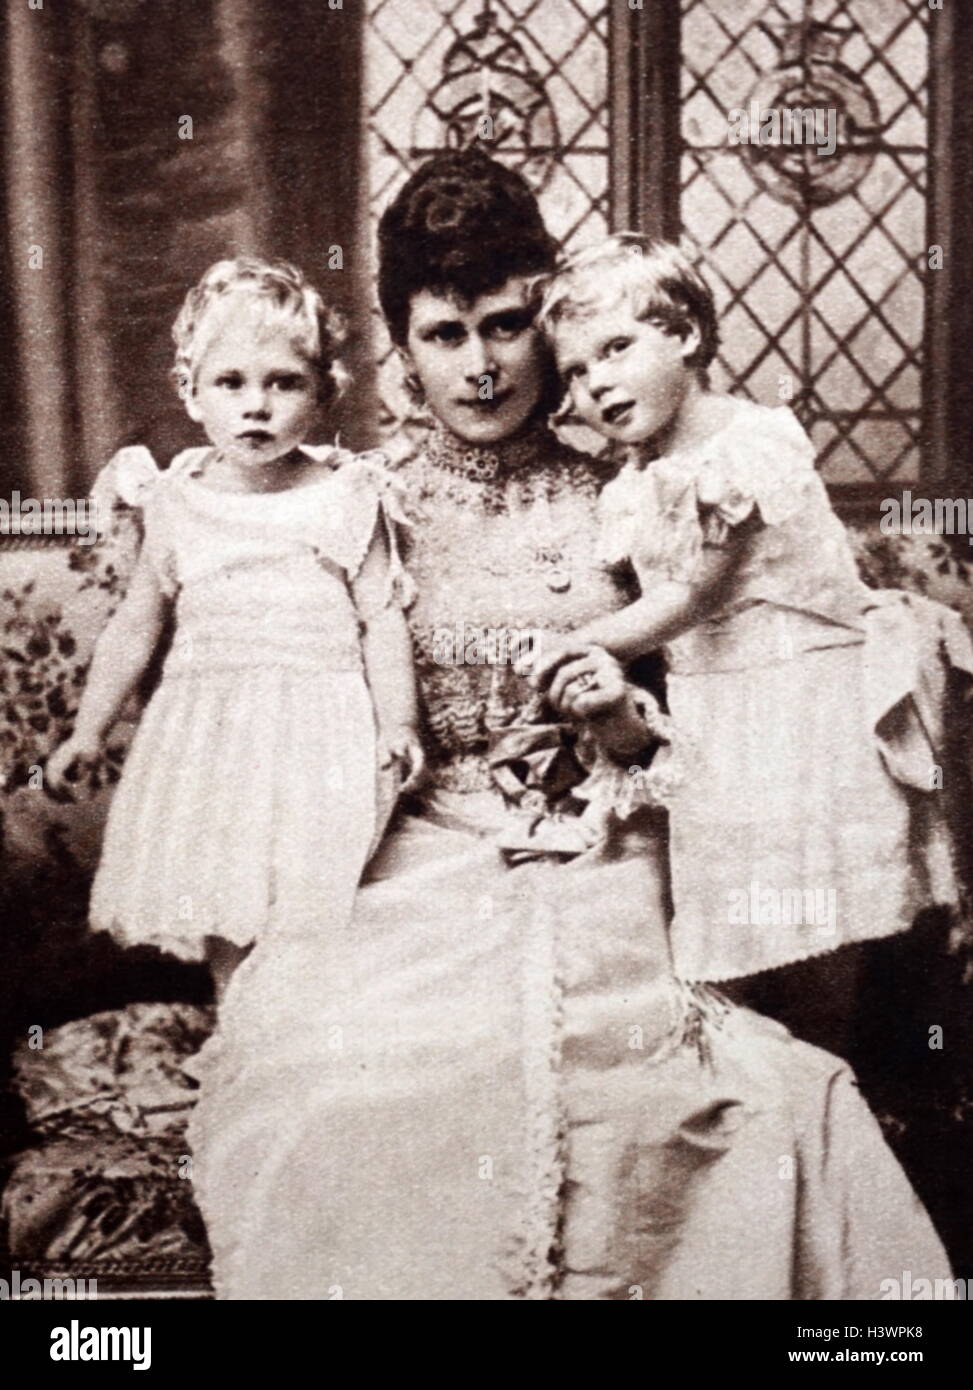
{"x": 75, "y": 752}
{"x": 567, "y": 669}
{"x": 402, "y": 745}
{"x": 582, "y": 681}
{"x": 588, "y": 684}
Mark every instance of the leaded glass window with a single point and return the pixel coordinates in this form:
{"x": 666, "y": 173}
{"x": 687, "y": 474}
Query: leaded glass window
{"x": 818, "y": 260}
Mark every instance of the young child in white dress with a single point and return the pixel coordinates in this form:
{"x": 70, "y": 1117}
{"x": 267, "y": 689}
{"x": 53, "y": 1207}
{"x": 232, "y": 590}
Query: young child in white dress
{"x": 807, "y": 808}
{"x": 266, "y": 759}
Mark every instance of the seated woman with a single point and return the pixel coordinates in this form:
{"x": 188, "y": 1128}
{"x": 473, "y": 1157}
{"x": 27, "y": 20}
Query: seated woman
{"x": 491, "y": 1086}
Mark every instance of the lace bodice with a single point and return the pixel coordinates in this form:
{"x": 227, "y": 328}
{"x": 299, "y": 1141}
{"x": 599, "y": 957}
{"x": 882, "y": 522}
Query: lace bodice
{"x": 502, "y": 546}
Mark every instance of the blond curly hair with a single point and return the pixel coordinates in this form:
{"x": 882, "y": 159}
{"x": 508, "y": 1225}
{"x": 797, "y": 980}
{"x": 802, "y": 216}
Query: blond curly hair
{"x": 657, "y": 277}
{"x": 280, "y": 289}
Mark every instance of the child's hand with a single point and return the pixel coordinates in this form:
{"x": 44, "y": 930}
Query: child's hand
{"x": 402, "y": 745}
{"x": 73, "y": 753}
{"x": 585, "y": 682}
{"x": 551, "y": 654}
{"x": 545, "y": 655}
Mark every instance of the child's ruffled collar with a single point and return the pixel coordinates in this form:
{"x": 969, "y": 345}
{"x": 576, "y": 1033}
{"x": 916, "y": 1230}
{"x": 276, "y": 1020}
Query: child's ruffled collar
{"x": 132, "y": 473}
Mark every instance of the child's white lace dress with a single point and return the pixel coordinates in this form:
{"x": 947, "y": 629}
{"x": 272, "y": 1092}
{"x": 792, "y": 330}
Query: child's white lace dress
{"x": 248, "y": 800}
{"x": 808, "y": 711}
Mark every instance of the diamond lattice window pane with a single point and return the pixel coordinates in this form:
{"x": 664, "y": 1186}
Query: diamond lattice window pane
{"x": 816, "y": 258}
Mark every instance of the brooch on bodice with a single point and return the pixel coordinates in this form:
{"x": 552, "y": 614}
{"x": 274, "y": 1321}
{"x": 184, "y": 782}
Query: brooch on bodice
{"x": 549, "y": 549}
{"x": 551, "y": 558}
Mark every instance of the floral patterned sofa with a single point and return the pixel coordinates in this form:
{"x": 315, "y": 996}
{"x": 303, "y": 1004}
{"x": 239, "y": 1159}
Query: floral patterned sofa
{"x": 98, "y": 1181}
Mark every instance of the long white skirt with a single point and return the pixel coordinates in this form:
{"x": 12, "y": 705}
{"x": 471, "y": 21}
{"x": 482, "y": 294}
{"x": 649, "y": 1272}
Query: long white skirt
{"x": 491, "y": 1088}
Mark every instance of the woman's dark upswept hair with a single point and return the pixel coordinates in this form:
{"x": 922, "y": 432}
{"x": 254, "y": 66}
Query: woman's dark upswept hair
{"x": 462, "y": 225}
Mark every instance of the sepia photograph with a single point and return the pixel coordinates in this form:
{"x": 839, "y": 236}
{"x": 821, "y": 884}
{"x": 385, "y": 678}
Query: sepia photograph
{"x": 486, "y": 675}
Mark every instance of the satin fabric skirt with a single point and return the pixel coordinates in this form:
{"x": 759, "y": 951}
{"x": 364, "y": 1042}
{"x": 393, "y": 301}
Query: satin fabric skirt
{"x": 488, "y": 1086}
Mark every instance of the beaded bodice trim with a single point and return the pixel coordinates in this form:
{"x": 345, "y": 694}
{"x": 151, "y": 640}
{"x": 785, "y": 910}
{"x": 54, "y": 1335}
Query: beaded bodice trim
{"x": 503, "y": 547}
{"x": 491, "y": 476}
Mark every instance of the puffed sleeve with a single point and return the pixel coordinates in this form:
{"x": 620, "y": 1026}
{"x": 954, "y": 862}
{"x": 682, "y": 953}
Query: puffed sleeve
{"x": 370, "y": 494}
{"x": 131, "y": 485}
{"x": 761, "y": 474}
{"x": 124, "y": 483}
{"x": 619, "y": 509}
{"x": 759, "y": 471}
{"x": 653, "y": 521}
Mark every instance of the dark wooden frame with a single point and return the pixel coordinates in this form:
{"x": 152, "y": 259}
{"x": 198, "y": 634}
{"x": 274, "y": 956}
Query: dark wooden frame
{"x": 947, "y": 386}
{"x": 645, "y": 191}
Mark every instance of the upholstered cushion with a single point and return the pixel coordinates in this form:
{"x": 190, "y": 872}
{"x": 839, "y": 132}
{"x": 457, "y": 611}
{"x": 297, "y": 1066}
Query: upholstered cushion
{"x": 105, "y": 1189}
